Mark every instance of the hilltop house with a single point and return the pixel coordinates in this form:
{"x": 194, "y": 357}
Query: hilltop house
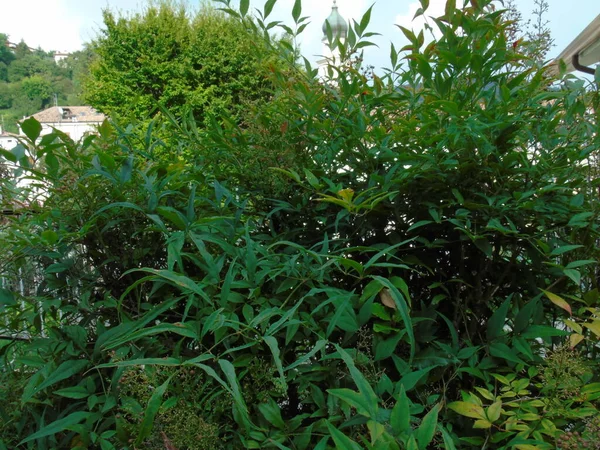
{"x": 75, "y": 121}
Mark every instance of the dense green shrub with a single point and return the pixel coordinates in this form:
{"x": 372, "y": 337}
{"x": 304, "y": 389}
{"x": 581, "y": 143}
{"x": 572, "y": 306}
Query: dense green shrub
{"x": 407, "y": 276}
{"x": 201, "y": 61}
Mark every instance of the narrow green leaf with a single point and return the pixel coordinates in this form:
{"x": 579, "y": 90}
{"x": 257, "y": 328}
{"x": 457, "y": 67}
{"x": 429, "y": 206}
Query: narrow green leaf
{"x": 229, "y": 372}
{"x": 274, "y": 346}
{"x": 342, "y": 442}
{"x": 524, "y": 315}
{"x": 366, "y": 18}
{"x": 181, "y": 281}
{"x": 503, "y": 351}
{"x": 402, "y": 308}
{"x": 426, "y": 430}
{"x": 580, "y": 219}
{"x": 66, "y": 370}
{"x": 411, "y": 379}
{"x": 141, "y": 362}
{"x": 173, "y": 216}
{"x": 244, "y": 5}
{"x": 411, "y": 444}
{"x": 574, "y": 275}
{"x": 419, "y": 224}
{"x": 352, "y": 398}
{"x": 450, "y": 8}
{"x": 57, "y": 426}
{"x": 151, "y": 411}
{"x": 179, "y": 329}
{"x": 272, "y": 413}
{"x": 400, "y": 418}
{"x": 448, "y": 441}
{"x": 318, "y": 346}
{"x": 75, "y": 392}
{"x": 277, "y": 325}
{"x": 564, "y": 249}
{"x": 361, "y": 382}
{"x": 297, "y": 10}
{"x": 542, "y": 331}
{"x": 393, "y": 56}
{"x": 268, "y": 8}
{"x": 126, "y": 170}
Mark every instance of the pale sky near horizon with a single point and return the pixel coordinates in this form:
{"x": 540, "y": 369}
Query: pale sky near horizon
{"x": 64, "y": 25}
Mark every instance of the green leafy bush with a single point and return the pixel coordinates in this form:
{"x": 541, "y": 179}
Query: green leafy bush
{"x": 408, "y": 282}
{"x": 201, "y": 61}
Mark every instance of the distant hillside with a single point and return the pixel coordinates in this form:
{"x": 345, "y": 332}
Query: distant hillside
{"x": 31, "y": 80}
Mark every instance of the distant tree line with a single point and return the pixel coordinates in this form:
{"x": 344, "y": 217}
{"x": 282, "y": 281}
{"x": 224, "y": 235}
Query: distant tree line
{"x": 31, "y": 80}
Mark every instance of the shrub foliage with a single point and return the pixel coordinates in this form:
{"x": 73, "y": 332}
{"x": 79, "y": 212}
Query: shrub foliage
{"x": 201, "y": 60}
{"x": 417, "y": 268}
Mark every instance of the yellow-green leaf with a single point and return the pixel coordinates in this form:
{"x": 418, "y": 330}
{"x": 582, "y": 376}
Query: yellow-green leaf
{"x": 346, "y": 194}
{"x": 376, "y": 430}
{"x": 493, "y": 412}
{"x": 528, "y": 417}
{"x": 573, "y": 326}
{"x": 485, "y": 393}
{"x": 482, "y": 423}
{"x": 575, "y": 339}
{"x": 467, "y": 409}
{"x": 594, "y": 326}
{"x": 558, "y": 301}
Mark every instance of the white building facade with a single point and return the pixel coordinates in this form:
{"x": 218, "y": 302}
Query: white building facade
{"x": 8, "y": 141}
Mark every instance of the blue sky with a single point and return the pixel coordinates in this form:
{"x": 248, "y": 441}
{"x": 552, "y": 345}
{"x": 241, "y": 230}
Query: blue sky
{"x": 67, "y": 24}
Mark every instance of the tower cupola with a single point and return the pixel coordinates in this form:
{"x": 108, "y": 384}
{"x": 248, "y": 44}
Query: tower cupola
{"x": 339, "y": 27}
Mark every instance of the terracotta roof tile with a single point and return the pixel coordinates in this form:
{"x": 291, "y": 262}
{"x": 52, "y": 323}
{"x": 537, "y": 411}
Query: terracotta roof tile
{"x": 58, "y": 114}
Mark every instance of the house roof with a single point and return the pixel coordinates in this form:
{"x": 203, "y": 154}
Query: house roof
{"x": 57, "y": 114}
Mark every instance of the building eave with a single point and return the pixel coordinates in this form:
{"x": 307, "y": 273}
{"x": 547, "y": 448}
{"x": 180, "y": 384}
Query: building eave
{"x": 583, "y": 51}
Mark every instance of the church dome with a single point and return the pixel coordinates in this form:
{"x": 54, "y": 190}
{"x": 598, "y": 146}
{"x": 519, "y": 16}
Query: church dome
{"x": 339, "y": 27}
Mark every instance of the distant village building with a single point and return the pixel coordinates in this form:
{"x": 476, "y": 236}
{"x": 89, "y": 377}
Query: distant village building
{"x": 8, "y": 141}
{"x": 60, "y": 56}
{"x": 75, "y": 121}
